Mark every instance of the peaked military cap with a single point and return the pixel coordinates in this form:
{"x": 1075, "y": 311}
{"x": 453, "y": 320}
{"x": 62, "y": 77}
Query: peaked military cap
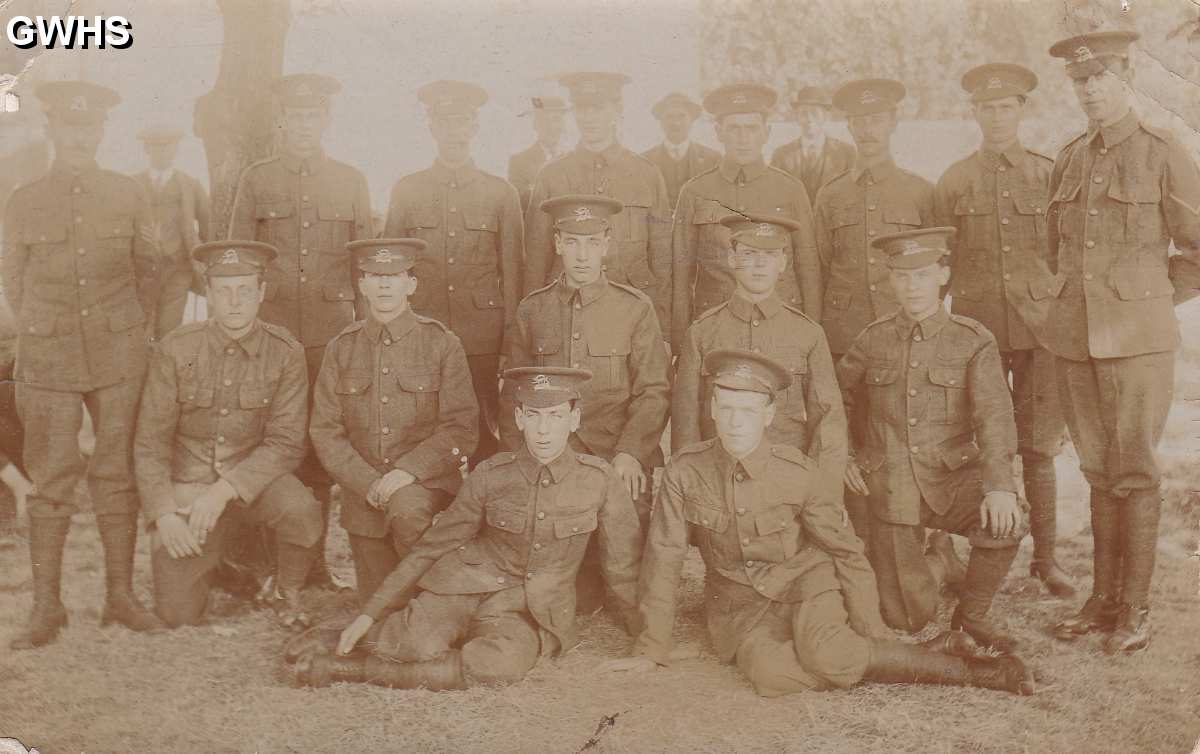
{"x": 745, "y": 370}
{"x": 811, "y": 96}
{"x": 593, "y": 87}
{"x": 676, "y": 99}
{"x": 159, "y": 134}
{"x": 386, "y": 256}
{"x": 760, "y": 230}
{"x": 544, "y": 105}
{"x": 868, "y": 96}
{"x": 744, "y": 97}
{"x": 305, "y": 89}
{"x": 233, "y": 257}
{"x": 914, "y": 249}
{"x": 543, "y": 387}
{"x": 581, "y": 213}
{"x": 452, "y": 97}
{"x": 999, "y": 80}
{"x": 1089, "y": 54}
{"x": 76, "y": 102}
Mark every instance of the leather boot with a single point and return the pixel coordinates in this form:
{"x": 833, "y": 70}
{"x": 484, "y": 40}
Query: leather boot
{"x": 896, "y": 662}
{"x": 955, "y": 644}
{"x": 118, "y": 533}
{"x": 1041, "y": 490}
{"x": 293, "y": 566}
{"x": 320, "y": 576}
{"x": 1132, "y": 633}
{"x": 1099, "y": 613}
{"x": 947, "y": 568}
{"x": 986, "y": 570}
{"x": 1139, "y": 516}
{"x": 316, "y": 640}
{"x": 441, "y": 674}
{"x": 47, "y": 537}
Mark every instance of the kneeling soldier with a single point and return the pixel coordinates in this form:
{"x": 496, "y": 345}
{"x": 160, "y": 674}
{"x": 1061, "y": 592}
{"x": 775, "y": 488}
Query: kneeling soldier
{"x": 220, "y": 435}
{"x": 789, "y": 595}
{"x": 494, "y": 578}
{"x": 939, "y": 446}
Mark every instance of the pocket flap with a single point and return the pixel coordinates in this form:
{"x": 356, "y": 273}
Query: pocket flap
{"x": 1123, "y": 189}
{"x": 353, "y": 382}
{"x": 114, "y": 227}
{"x": 609, "y": 346}
{"x": 338, "y": 292}
{"x": 968, "y": 205}
{"x": 1046, "y": 288}
{"x": 957, "y": 456}
{"x": 38, "y": 322}
{"x": 273, "y": 210}
{"x": 335, "y": 210}
{"x": 1029, "y": 203}
{"x": 708, "y": 212}
{"x": 569, "y": 526}
{"x": 419, "y": 382}
{"x": 796, "y": 363}
{"x": 477, "y": 218}
{"x": 841, "y": 217}
{"x": 952, "y": 377}
{"x": 774, "y": 520}
{"x": 1138, "y": 284}
{"x": 547, "y": 342}
{"x": 424, "y": 217}
{"x": 901, "y": 213}
{"x": 194, "y": 395}
{"x": 255, "y": 394}
{"x": 838, "y": 299}
{"x": 128, "y": 316}
{"x": 487, "y": 298}
{"x": 506, "y": 519}
{"x": 881, "y": 375}
{"x": 714, "y": 519}
{"x": 1066, "y": 192}
{"x": 44, "y": 229}
{"x": 639, "y": 275}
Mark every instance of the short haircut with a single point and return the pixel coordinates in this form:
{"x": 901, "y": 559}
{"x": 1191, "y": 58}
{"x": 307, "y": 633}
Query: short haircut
{"x": 770, "y": 396}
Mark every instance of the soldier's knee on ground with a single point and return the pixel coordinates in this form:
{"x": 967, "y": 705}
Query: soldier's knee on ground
{"x": 833, "y": 653}
{"x": 179, "y": 610}
{"x": 488, "y": 662}
{"x": 774, "y": 671}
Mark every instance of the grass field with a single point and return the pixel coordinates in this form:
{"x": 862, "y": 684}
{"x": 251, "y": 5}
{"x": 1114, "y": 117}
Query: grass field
{"x": 222, "y": 688}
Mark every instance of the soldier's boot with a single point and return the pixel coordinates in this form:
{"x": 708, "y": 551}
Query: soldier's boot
{"x": 294, "y": 563}
{"x": 47, "y": 538}
{"x": 440, "y": 674}
{"x": 1139, "y": 517}
{"x": 943, "y": 561}
{"x": 986, "y": 570}
{"x": 1099, "y": 612}
{"x": 316, "y": 640}
{"x": 955, "y": 644}
{"x": 896, "y": 662}
{"x": 1041, "y": 490}
{"x": 118, "y": 534}
{"x": 8, "y": 518}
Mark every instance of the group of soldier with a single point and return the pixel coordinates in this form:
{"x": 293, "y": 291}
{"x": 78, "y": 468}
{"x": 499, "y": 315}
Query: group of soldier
{"x": 788, "y": 319}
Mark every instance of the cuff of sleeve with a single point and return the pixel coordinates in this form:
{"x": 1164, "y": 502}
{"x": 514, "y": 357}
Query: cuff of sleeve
{"x": 247, "y": 490}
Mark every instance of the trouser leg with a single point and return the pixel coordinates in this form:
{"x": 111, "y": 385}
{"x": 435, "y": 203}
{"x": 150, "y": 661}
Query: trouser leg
{"x": 374, "y": 559}
{"x": 410, "y": 511}
{"x": 502, "y": 643}
{"x": 909, "y": 589}
{"x": 47, "y": 539}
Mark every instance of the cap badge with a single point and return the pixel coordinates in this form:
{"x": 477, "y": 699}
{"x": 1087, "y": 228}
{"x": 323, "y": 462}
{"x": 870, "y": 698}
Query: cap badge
{"x": 910, "y": 246}
{"x": 743, "y": 372}
{"x": 79, "y": 104}
{"x": 764, "y": 229}
{"x": 739, "y": 99}
{"x": 303, "y": 90}
{"x": 868, "y": 97}
{"x": 583, "y": 213}
{"x": 1083, "y": 53}
{"x": 384, "y": 256}
{"x": 537, "y": 103}
{"x": 229, "y": 257}
{"x": 541, "y": 382}
{"x": 995, "y": 83}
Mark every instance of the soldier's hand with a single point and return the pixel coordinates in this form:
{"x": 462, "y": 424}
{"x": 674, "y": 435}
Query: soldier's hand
{"x": 854, "y": 479}
{"x": 353, "y": 633}
{"x": 628, "y": 665}
{"x": 631, "y": 473}
{"x": 999, "y": 514}
{"x": 208, "y": 508}
{"x": 176, "y": 536}
{"x": 387, "y": 485}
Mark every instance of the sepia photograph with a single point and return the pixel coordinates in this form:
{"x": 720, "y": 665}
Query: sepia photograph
{"x": 764, "y": 376}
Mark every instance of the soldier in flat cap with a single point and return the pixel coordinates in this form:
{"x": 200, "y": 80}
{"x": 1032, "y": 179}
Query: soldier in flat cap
{"x": 640, "y": 236}
{"x": 75, "y": 264}
{"x": 809, "y": 414}
{"x": 1120, "y": 194}
{"x": 939, "y": 444}
{"x": 743, "y": 182}
{"x": 490, "y": 588}
{"x": 470, "y": 269}
{"x": 788, "y": 594}
{"x": 585, "y": 319}
{"x": 220, "y": 434}
{"x": 678, "y": 158}
{"x": 814, "y": 157}
{"x": 181, "y": 222}
{"x": 548, "y": 117}
{"x": 394, "y": 413}
{"x": 308, "y": 206}
{"x": 996, "y": 199}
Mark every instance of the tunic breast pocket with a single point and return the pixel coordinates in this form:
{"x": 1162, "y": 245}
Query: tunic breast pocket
{"x": 608, "y": 359}
{"x": 481, "y": 247}
{"x": 573, "y": 531}
{"x": 1137, "y": 216}
{"x": 419, "y": 390}
{"x": 706, "y": 518}
{"x": 845, "y": 225}
{"x": 950, "y": 404}
{"x": 882, "y": 396}
{"x": 797, "y": 365}
{"x": 272, "y": 216}
{"x": 254, "y": 398}
{"x": 901, "y": 215}
{"x": 337, "y": 223}
{"x": 973, "y": 217}
{"x": 776, "y": 538}
{"x": 352, "y": 390}
{"x": 637, "y": 219}
{"x": 424, "y": 223}
{"x": 1031, "y": 214}
{"x": 114, "y": 235}
{"x": 195, "y": 404}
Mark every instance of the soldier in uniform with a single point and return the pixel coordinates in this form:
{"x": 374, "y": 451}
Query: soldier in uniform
{"x": 939, "y": 445}
{"x": 494, "y": 577}
{"x": 1120, "y": 194}
{"x": 996, "y": 199}
{"x": 394, "y": 413}
{"x": 641, "y": 234}
{"x": 308, "y": 206}
{"x": 470, "y": 270}
{"x": 587, "y": 320}
{"x": 549, "y": 121}
{"x": 678, "y": 158}
{"x": 789, "y": 596}
{"x": 14, "y": 484}
{"x": 809, "y": 414}
{"x": 75, "y": 260}
{"x": 814, "y": 157}
{"x": 220, "y": 433}
{"x": 181, "y": 222}
{"x": 743, "y": 182}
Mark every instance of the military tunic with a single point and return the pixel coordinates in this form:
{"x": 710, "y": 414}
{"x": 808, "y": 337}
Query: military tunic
{"x": 497, "y": 571}
{"x": 836, "y": 157}
{"x": 789, "y": 594}
{"x": 701, "y": 244}
{"x": 640, "y": 251}
{"x": 1120, "y": 195}
{"x": 77, "y": 261}
{"x": 850, "y": 210}
{"x": 698, "y": 159}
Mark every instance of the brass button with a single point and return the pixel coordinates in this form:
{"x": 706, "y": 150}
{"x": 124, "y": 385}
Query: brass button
{"x": 453, "y": 210}
{"x": 870, "y": 232}
{"x": 545, "y": 482}
{"x": 83, "y": 281}
{"x": 387, "y": 462}
{"x": 1093, "y": 211}
{"x": 870, "y": 260}
{"x": 1001, "y": 169}
{"x": 221, "y": 439}
{"x": 386, "y": 430}
{"x": 1005, "y": 247}
{"x": 1103, "y": 150}
{"x": 1004, "y": 221}
{"x": 454, "y": 451}
{"x": 741, "y": 511}
{"x": 304, "y": 252}
{"x": 537, "y": 545}
{"x": 529, "y": 575}
{"x": 1088, "y": 276}
{"x": 871, "y": 207}
{"x": 450, "y": 260}
{"x": 914, "y": 363}
{"x": 386, "y": 370}
{"x": 224, "y": 412}
{"x": 760, "y": 587}
{"x": 745, "y": 541}
{"x": 1098, "y": 179}
{"x": 574, "y": 529}
{"x": 452, "y": 234}
{"x": 704, "y": 521}
{"x": 740, "y": 476}
{"x": 384, "y": 399}
{"x": 499, "y": 579}
{"x": 304, "y": 198}
{"x": 306, "y": 223}
{"x": 1007, "y": 276}
{"x": 84, "y": 312}
{"x": 749, "y": 563}
{"x": 450, "y": 288}
{"x": 754, "y": 323}
{"x": 1090, "y": 244}
{"x": 575, "y": 335}
{"x": 917, "y": 337}
{"x": 1004, "y": 193}
{"x": 387, "y": 341}
{"x": 75, "y": 189}
{"x": 912, "y": 422}
{"x": 227, "y": 383}
{"x": 80, "y": 252}
{"x": 541, "y": 515}
{"x": 303, "y": 278}
{"x": 78, "y": 219}
{"x": 453, "y": 184}
{"x": 229, "y": 350}
{"x": 873, "y": 288}
{"x": 915, "y": 449}
{"x": 912, "y": 391}
{"x": 504, "y": 523}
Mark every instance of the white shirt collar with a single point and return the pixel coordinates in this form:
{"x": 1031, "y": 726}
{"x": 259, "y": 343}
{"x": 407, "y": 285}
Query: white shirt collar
{"x": 677, "y": 151}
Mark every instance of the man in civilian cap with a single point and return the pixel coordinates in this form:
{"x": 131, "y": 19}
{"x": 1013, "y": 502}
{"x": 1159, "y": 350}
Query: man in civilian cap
{"x": 394, "y": 413}
{"x": 641, "y": 234}
{"x": 996, "y": 199}
{"x": 584, "y": 319}
{"x": 75, "y": 264}
{"x": 809, "y": 413}
{"x": 938, "y": 446}
{"x": 490, "y": 587}
{"x": 1120, "y": 194}
{"x": 308, "y": 206}
{"x": 789, "y": 596}
{"x": 181, "y": 222}
{"x": 743, "y": 182}
{"x": 814, "y": 157}
{"x": 549, "y": 121}
{"x": 220, "y": 434}
{"x": 470, "y": 269}
{"x": 678, "y": 158}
